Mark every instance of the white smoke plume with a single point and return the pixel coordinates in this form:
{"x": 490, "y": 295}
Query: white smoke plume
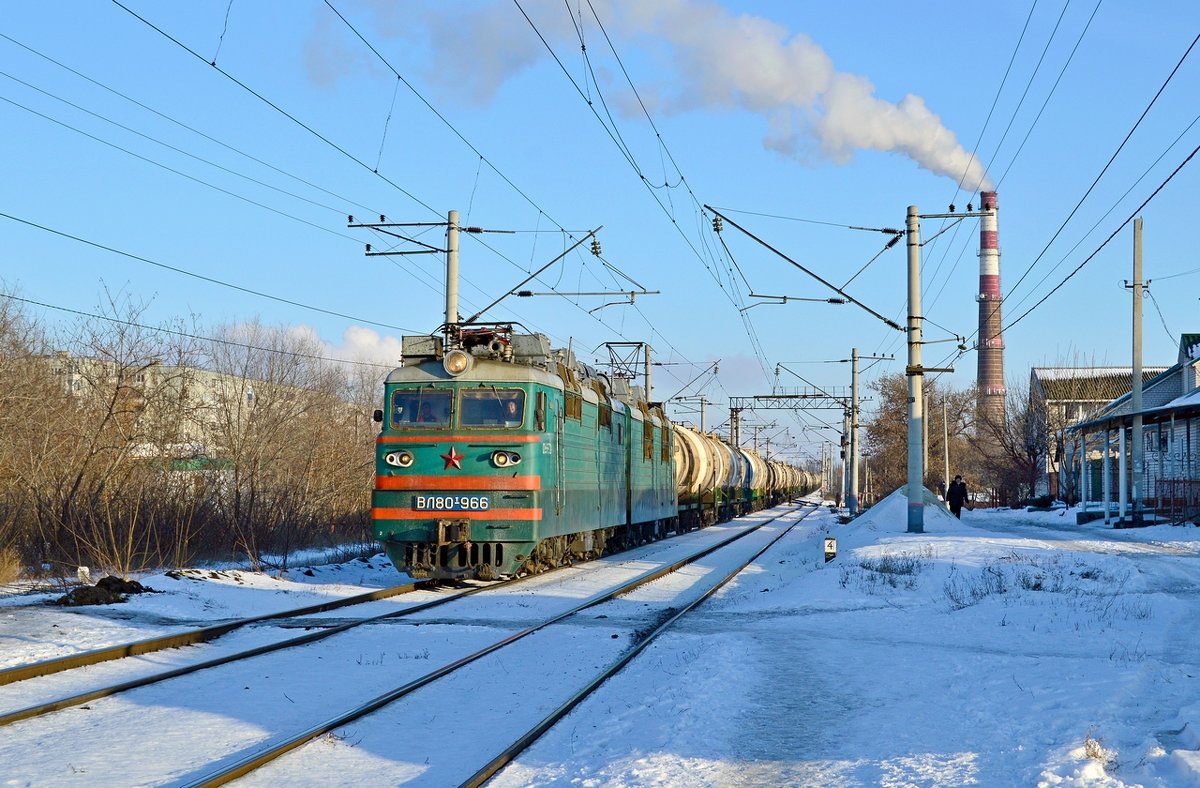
{"x": 717, "y": 60}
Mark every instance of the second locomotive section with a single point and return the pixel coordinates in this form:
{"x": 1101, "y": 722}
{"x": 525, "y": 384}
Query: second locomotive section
{"x": 501, "y": 455}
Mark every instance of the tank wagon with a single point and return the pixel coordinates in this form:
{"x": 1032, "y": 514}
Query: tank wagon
{"x": 499, "y": 455}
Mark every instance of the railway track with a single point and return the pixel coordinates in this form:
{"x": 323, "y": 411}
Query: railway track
{"x": 646, "y": 638}
{"x": 207, "y": 634}
{"x": 189, "y": 637}
{"x": 642, "y": 627}
{"x": 245, "y": 759}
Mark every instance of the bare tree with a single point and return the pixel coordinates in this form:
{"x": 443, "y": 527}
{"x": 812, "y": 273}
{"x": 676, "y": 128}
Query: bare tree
{"x": 100, "y": 500}
{"x": 1013, "y": 451}
{"x": 30, "y": 403}
{"x": 886, "y": 442}
{"x": 298, "y": 461}
{"x": 885, "y": 445}
{"x": 123, "y": 451}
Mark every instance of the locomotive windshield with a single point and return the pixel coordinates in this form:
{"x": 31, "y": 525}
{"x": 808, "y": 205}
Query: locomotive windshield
{"x": 492, "y": 407}
{"x": 421, "y": 408}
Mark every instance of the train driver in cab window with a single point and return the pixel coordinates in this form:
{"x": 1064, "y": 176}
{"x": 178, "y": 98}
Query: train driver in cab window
{"x": 510, "y": 412}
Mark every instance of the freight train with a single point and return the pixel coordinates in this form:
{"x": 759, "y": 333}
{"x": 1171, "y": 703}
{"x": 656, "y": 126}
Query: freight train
{"x": 498, "y": 455}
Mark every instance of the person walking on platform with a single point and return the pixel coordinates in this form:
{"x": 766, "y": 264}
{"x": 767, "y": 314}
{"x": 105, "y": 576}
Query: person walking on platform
{"x": 956, "y": 496}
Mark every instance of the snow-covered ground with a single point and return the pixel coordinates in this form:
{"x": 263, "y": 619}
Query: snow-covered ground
{"x": 1011, "y": 648}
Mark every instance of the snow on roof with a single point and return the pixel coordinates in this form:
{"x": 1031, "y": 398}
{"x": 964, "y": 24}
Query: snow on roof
{"x": 1075, "y": 373}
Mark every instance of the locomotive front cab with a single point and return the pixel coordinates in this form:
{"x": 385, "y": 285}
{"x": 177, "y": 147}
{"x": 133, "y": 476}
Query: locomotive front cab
{"x": 458, "y": 468}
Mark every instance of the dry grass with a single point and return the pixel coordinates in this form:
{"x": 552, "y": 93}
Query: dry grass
{"x": 10, "y": 565}
{"x": 1094, "y": 749}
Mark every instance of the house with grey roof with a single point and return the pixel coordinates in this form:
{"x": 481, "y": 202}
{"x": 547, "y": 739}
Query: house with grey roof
{"x": 1064, "y": 396}
{"x": 1098, "y": 453}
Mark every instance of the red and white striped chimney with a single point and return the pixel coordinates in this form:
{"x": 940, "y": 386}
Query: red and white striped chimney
{"x": 990, "y": 344}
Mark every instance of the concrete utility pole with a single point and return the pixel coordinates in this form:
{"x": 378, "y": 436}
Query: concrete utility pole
{"x": 916, "y": 379}
{"x": 916, "y": 372}
{"x": 451, "y": 273}
{"x": 852, "y": 493}
{"x": 1135, "y": 399}
{"x": 945, "y": 447}
{"x": 648, "y": 397}
{"x": 852, "y": 496}
{"x": 847, "y": 456}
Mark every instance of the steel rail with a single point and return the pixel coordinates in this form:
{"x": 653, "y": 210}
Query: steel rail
{"x": 185, "y": 639}
{"x": 537, "y": 731}
{"x": 257, "y": 758}
{"x": 77, "y": 699}
{"x": 47, "y": 667}
{"x": 311, "y": 637}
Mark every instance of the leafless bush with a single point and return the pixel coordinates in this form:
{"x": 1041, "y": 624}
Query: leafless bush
{"x": 128, "y": 449}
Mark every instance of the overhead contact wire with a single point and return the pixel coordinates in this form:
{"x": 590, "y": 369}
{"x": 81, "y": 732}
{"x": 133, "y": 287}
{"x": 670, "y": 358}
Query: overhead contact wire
{"x": 201, "y": 277}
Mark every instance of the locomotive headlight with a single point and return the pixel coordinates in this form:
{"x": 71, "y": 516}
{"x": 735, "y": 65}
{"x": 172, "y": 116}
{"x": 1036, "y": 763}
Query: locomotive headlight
{"x": 503, "y": 459}
{"x": 401, "y": 459}
{"x": 457, "y": 362}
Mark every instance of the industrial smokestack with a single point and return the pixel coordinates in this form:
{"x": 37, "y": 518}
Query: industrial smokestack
{"x": 990, "y": 346}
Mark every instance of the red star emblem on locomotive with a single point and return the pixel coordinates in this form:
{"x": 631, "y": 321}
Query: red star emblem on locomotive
{"x": 452, "y": 458}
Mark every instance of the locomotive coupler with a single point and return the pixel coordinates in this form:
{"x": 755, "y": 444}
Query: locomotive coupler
{"x": 453, "y": 531}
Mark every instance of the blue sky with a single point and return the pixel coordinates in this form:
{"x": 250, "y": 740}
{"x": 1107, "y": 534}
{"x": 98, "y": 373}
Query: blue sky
{"x": 797, "y": 120}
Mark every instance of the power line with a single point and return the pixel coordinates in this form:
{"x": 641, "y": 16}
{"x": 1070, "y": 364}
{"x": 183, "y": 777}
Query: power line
{"x": 157, "y": 141}
{"x": 748, "y": 324}
{"x": 174, "y": 332}
{"x": 483, "y": 159}
{"x": 164, "y": 116}
{"x": 632, "y": 163}
{"x": 1050, "y": 94}
{"x": 281, "y": 111}
{"x": 275, "y": 106}
{"x": 431, "y": 108}
{"x": 1090, "y": 188}
{"x": 1032, "y": 77}
{"x": 1109, "y": 212}
{"x": 201, "y": 277}
{"x": 1106, "y": 241}
{"x": 172, "y": 170}
{"x": 987, "y": 121}
{"x": 1089, "y": 191}
{"x": 1111, "y": 159}
{"x": 185, "y": 126}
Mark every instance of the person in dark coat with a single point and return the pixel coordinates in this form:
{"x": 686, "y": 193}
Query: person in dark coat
{"x": 956, "y": 496}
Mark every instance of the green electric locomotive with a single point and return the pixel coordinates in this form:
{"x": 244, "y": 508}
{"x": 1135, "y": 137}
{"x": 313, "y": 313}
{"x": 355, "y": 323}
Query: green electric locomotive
{"x": 499, "y": 455}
